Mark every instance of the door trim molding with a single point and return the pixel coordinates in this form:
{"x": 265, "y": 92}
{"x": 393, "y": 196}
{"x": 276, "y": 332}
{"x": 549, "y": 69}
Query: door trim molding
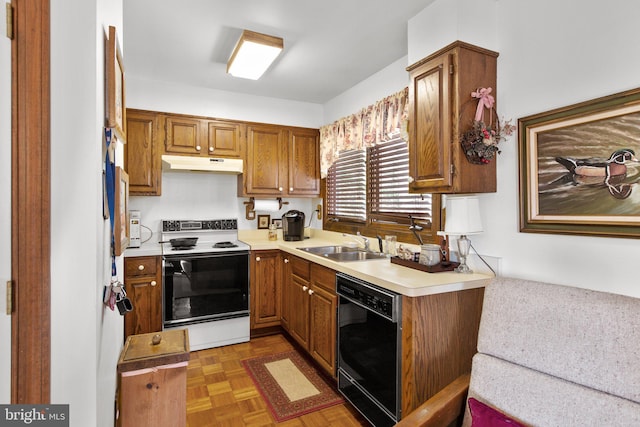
{"x": 30, "y": 203}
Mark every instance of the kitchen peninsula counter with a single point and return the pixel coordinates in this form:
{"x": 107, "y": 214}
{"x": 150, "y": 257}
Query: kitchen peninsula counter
{"x": 403, "y": 280}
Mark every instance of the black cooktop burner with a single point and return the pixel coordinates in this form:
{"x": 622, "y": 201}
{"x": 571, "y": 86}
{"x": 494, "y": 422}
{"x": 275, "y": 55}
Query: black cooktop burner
{"x": 225, "y": 245}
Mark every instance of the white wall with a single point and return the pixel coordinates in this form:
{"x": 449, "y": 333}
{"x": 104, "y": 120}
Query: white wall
{"x": 552, "y": 54}
{"x": 204, "y": 195}
{"x": 86, "y": 337}
{"x": 5, "y": 210}
{"x": 175, "y": 98}
{"x": 387, "y": 81}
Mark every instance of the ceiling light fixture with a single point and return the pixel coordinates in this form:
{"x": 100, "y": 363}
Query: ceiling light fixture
{"x": 253, "y": 54}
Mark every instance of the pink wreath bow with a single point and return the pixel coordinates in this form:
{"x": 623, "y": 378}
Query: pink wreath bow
{"x": 485, "y": 100}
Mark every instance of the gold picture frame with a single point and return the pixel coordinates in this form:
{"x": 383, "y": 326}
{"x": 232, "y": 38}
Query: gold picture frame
{"x": 579, "y": 172}
{"x": 115, "y": 87}
{"x": 121, "y": 212}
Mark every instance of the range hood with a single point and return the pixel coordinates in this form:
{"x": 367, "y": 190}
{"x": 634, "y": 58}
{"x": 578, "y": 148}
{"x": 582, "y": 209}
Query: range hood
{"x": 201, "y": 164}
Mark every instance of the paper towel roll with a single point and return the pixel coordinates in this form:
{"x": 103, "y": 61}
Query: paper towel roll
{"x": 266, "y": 205}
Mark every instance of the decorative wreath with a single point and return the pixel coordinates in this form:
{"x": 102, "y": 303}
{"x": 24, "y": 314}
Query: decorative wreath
{"x": 480, "y": 143}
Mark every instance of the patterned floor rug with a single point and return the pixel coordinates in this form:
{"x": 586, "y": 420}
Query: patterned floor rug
{"x": 290, "y": 385}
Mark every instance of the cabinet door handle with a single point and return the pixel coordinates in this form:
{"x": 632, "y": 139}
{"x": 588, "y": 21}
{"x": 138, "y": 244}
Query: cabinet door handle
{"x": 210, "y": 148}
{"x": 304, "y": 288}
{"x": 258, "y": 258}
{"x": 290, "y": 189}
{"x": 286, "y": 260}
{"x": 198, "y": 147}
{"x": 153, "y": 283}
{"x": 141, "y": 267}
{"x": 411, "y": 179}
{"x": 310, "y": 291}
{"x": 280, "y": 189}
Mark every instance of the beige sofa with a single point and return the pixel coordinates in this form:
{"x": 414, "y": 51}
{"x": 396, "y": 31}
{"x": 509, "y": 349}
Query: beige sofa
{"x": 548, "y": 355}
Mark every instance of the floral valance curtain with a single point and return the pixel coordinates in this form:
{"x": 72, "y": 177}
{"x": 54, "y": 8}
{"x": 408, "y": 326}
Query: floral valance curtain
{"x": 367, "y": 127}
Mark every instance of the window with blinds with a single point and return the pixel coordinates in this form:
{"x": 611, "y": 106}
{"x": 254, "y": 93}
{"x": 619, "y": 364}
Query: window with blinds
{"x": 347, "y": 187}
{"x": 373, "y": 185}
{"x": 389, "y": 197}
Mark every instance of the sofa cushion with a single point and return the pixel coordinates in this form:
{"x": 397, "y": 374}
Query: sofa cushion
{"x": 538, "y": 399}
{"x": 483, "y": 415}
{"x": 585, "y": 337}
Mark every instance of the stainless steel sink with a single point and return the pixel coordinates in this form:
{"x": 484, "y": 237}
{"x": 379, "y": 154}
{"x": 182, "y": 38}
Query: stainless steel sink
{"x": 325, "y": 250}
{"x": 355, "y": 256}
{"x": 343, "y": 253}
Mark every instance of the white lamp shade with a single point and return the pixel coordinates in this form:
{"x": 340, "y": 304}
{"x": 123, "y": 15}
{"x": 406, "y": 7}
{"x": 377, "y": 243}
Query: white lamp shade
{"x": 463, "y": 215}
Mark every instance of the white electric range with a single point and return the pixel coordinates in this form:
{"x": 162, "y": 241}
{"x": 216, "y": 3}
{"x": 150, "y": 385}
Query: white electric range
{"x": 205, "y": 278}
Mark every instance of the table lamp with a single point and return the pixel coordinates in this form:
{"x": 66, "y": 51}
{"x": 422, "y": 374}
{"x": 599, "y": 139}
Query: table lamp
{"x": 463, "y": 219}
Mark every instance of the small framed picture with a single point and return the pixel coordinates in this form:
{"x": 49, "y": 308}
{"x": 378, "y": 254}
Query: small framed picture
{"x": 277, "y": 222}
{"x": 263, "y": 221}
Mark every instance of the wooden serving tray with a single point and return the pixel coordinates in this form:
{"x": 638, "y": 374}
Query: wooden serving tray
{"x": 438, "y": 268}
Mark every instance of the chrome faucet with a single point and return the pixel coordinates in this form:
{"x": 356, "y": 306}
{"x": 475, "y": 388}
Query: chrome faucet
{"x": 364, "y": 240}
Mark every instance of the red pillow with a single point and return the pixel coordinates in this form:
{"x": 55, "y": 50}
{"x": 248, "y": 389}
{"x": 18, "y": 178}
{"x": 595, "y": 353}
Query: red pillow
{"x": 485, "y": 416}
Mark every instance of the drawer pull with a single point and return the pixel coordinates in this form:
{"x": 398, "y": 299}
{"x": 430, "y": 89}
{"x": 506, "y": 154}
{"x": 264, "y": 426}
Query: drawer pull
{"x": 141, "y": 267}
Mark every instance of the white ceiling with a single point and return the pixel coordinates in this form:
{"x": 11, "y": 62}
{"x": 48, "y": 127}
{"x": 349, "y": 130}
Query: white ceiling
{"x": 329, "y": 45}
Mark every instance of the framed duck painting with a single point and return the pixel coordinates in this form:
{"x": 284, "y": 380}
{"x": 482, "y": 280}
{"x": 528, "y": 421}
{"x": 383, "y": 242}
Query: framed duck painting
{"x": 580, "y": 168}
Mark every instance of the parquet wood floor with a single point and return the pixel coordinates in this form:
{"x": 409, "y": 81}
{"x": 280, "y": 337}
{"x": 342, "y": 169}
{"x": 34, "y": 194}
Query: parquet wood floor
{"x": 221, "y": 393}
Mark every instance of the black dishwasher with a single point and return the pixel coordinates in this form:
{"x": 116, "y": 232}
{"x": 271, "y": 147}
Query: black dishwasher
{"x": 369, "y": 344}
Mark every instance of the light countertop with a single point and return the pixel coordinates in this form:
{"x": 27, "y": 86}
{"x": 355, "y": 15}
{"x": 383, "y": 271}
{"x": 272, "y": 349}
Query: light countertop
{"x": 383, "y": 273}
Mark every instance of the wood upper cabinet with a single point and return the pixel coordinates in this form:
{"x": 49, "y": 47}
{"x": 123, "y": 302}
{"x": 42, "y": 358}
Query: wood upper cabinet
{"x": 200, "y": 136}
{"x": 265, "y": 289}
{"x": 266, "y": 161}
{"x": 281, "y": 161}
{"x": 143, "y": 283}
{"x": 304, "y": 162}
{"x": 183, "y": 135}
{"x": 225, "y": 139}
{"x": 441, "y": 109}
{"x": 142, "y": 153}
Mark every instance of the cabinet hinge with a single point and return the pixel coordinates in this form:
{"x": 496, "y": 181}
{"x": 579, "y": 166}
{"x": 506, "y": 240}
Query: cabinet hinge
{"x": 450, "y": 68}
{"x": 10, "y": 33}
{"x": 9, "y": 297}
{"x": 452, "y": 169}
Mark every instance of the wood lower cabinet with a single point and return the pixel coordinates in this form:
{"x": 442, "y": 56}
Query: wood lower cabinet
{"x": 439, "y": 339}
{"x": 441, "y": 109}
{"x": 323, "y": 309}
{"x": 265, "y": 291}
{"x": 310, "y": 307}
{"x": 143, "y": 283}
{"x": 142, "y": 153}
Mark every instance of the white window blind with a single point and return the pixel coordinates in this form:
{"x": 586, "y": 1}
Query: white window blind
{"x": 390, "y": 200}
{"x": 347, "y": 187}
